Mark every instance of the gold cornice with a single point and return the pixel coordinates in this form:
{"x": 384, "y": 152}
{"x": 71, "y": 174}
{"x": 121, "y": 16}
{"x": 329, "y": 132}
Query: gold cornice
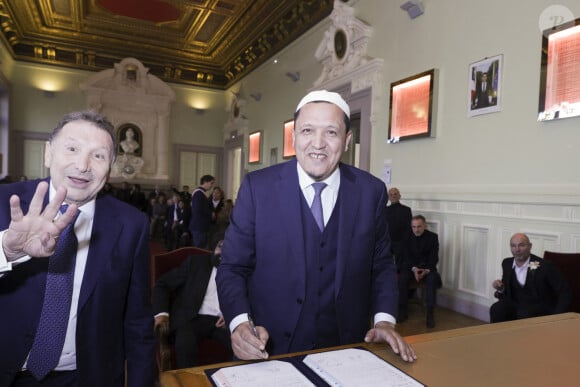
{"x": 81, "y": 34}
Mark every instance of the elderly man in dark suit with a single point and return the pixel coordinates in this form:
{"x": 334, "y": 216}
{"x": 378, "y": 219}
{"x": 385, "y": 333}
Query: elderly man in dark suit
{"x": 307, "y": 250}
{"x": 74, "y": 288}
{"x": 189, "y": 292}
{"x": 420, "y": 258}
{"x": 530, "y": 286}
{"x": 399, "y": 220}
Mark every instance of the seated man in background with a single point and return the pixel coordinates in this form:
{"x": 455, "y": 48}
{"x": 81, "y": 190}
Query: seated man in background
{"x": 530, "y": 286}
{"x": 195, "y": 312}
{"x": 399, "y": 219}
{"x": 420, "y": 258}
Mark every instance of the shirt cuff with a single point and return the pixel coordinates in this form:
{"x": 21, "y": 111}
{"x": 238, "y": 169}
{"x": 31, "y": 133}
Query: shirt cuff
{"x": 4, "y": 264}
{"x": 240, "y": 318}
{"x": 385, "y": 317}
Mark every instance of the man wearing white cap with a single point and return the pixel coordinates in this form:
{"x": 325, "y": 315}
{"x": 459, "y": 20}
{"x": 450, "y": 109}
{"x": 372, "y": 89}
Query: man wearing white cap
{"x": 307, "y": 253}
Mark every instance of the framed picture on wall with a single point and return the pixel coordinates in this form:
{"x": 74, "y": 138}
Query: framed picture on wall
{"x": 412, "y": 107}
{"x": 560, "y": 72}
{"x": 288, "y": 149}
{"x": 484, "y": 91}
{"x": 255, "y": 147}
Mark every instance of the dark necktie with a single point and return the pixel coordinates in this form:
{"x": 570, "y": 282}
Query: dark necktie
{"x": 316, "y": 207}
{"x": 51, "y": 331}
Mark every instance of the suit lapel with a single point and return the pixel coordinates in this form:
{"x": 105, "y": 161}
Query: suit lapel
{"x": 105, "y": 227}
{"x": 287, "y": 190}
{"x": 347, "y": 204}
{"x": 201, "y": 278}
{"x": 512, "y": 279}
{"x": 531, "y": 275}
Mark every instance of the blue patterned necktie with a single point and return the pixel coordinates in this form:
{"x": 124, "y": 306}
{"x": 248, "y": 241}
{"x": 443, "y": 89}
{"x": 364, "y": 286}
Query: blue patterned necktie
{"x": 51, "y": 331}
{"x": 316, "y": 207}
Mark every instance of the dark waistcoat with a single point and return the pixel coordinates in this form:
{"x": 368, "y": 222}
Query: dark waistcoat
{"x": 523, "y": 294}
{"x": 317, "y": 326}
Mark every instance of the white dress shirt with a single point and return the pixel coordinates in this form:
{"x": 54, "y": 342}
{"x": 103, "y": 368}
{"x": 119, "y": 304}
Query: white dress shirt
{"x": 210, "y": 305}
{"x": 521, "y": 271}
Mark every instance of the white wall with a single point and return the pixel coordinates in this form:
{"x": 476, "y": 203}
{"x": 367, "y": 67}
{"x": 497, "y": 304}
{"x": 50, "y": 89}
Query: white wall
{"x": 499, "y": 152}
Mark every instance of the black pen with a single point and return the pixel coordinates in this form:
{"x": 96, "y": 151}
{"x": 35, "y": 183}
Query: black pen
{"x": 253, "y": 328}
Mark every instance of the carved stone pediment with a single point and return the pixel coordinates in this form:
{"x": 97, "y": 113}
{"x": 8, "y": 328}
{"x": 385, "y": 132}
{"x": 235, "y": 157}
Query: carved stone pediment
{"x": 344, "y": 46}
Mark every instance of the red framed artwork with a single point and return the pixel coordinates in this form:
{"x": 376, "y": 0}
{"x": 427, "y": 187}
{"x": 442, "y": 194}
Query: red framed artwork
{"x": 255, "y": 147}
{"x": 560, "y": 72}
{"x": 288, "y": 149}
{"x": 411, "y": 107}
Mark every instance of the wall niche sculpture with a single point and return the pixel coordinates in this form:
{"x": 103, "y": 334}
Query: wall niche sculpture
{"x": 139, "y": 105}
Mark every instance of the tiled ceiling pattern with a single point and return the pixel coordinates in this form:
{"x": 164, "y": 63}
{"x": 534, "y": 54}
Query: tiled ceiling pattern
{"x": 207, "y": 43}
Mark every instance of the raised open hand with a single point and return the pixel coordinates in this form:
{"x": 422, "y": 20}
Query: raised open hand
{"x": 35, "y": 233}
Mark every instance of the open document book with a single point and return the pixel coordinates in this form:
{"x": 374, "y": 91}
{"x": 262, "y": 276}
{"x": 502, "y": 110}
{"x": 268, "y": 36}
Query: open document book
{"x": 349, "y": 367}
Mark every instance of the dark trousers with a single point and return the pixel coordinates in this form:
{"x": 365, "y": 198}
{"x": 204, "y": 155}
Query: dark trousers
{"x": 199, "y": 239}
{"x": 53, "y": 379}
{"x": 432, "y": 282}
{"x": 188, "y": 336}
{"x": 507, "y": 309}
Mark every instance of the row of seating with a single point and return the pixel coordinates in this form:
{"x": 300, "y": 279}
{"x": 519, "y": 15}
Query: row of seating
{"x": 569, "y": 265}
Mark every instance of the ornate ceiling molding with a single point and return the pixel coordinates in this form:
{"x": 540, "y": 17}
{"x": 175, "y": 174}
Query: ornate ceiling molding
{"x": 207, "y": 43}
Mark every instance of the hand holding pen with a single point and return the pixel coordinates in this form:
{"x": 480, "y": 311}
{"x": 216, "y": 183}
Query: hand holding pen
{"x": 249, "y": 341}
{"x": 257, "y": 335}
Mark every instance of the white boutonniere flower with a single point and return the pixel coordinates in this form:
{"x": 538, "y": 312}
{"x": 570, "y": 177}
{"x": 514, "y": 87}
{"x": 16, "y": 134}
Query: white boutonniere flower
{"x": 534, "y": 265}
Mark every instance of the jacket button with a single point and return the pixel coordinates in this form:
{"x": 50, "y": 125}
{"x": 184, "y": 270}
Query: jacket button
{"x": 287, "y": 335}
{"x": 299, "y": 301}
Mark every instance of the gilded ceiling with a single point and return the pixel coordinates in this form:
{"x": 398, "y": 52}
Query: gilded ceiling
{"x": 207, "y": 43}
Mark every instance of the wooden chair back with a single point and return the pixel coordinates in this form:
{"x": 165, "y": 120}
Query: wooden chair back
{"x": 162, "y": 263}
{"x": 569, "y": 265}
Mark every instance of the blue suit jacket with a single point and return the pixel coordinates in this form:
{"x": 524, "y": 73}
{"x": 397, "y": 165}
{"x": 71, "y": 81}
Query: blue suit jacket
{"x": 200, "y": 211}
{"x": 114, "y": 321}
{"x": 263, "y": 267}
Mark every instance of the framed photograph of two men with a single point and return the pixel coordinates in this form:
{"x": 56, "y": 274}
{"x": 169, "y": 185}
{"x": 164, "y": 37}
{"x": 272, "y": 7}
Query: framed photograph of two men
{"x": 484, "y": 91}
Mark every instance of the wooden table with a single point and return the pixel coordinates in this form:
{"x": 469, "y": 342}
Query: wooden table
{"x": 541, "y": 351}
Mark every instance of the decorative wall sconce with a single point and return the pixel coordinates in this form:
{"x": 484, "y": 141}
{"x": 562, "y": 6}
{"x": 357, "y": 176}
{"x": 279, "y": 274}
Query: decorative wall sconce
{"x": 256, "y": 96}
{"x": 414, "y": 8}
{"x": 199, "y": 111}
{"x": 293, "y": 75}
